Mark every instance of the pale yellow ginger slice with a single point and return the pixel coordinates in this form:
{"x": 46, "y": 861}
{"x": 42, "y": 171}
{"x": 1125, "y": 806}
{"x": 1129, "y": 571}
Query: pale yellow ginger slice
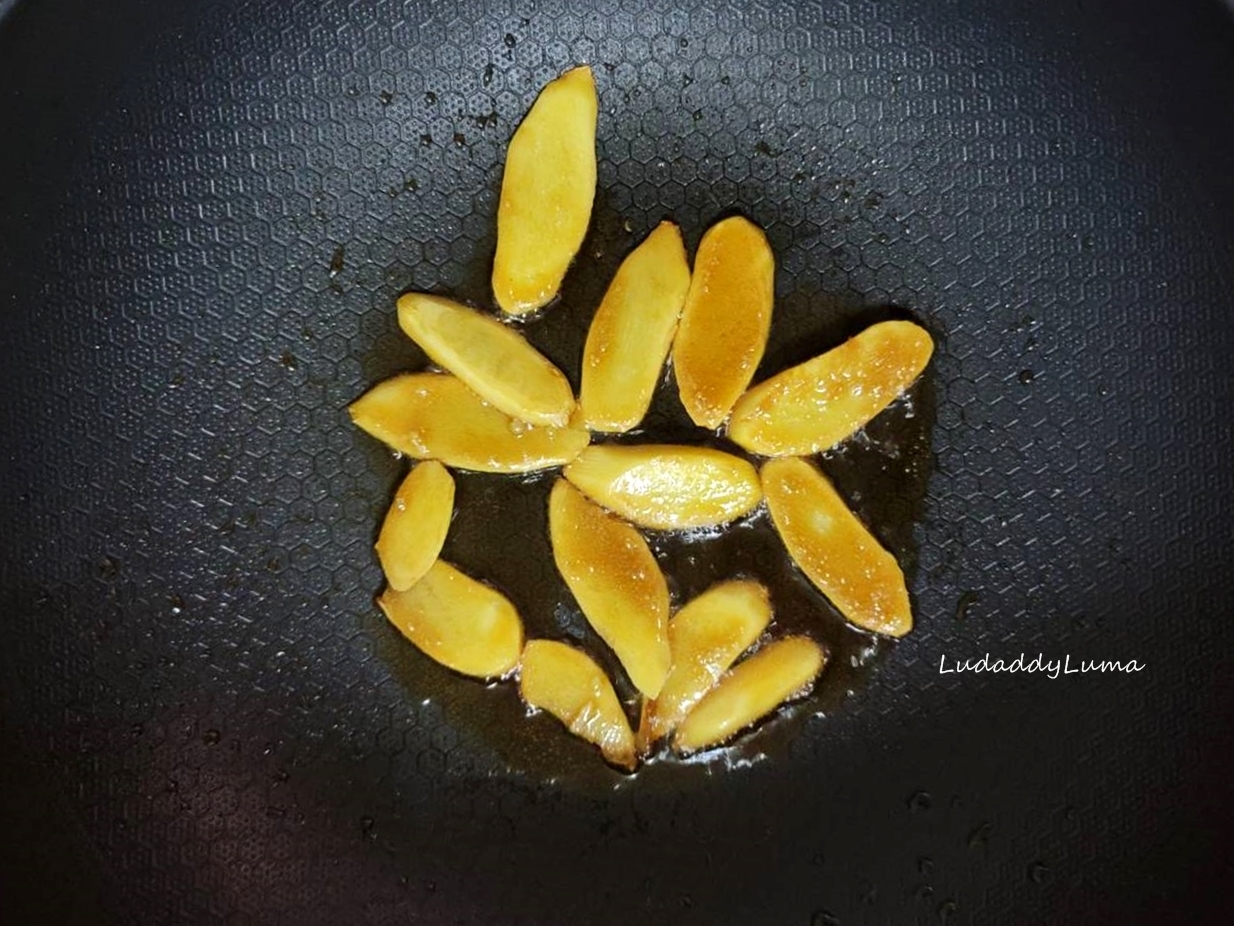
{"x": 568, "y": 684}
{"x": 667, "y": 486}
{"x": 725, "y": 320}
{"x": 706, "y": 636}
{"x": 834, "y": 549}
{"x": 465, "y": 625}
{"x": 547, "y": 191}
{"x": 617, "y": 582}
{"x": 416, "y": 524}
{"x": 750, "y": 691}
{"x": 632, "y": 330}
{"x": 815, "y": 405}
{"x": 435, "y": 416}
{"x": 492, "y": 358}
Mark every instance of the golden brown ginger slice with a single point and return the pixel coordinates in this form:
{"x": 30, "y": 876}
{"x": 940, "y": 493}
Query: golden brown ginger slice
{"x": 435, "y": 416}
{"x": 666, "y": 486}
{"x": 568, "y": 684}
{"x": 725, "y": 320}
{"x": 815, "y": 405}
{"x": 546, "y": 193}
{"x": 416, "y": 524}
{"x": 617, "y": 582}
{"x": 493, "y": 359}
{"x": 705, "y": 637}
{"x": 753, "y": 689}
{"x": 834, "y": 549}
{"x": 632, "y": 330}
{"x": 465, "y": 625}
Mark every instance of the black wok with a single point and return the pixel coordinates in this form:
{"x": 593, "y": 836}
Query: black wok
{"x": 206, "y": 212}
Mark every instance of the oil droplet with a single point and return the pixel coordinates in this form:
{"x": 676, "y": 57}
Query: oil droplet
{"x": 824, "y": 918}
{"x": 386, "y": 97}
{"x": 460, "y": 139}
{"x": 430, "y": 98}
{"x": 177, "y": 604}
{"x": 967, "y": 600}
{"x": 1026, "y": 376}
{"x": 426, "y": 140}
{"x": 211, "y": 737}
{"x": 920, "y": 802}
{"x": 509, "y": 40}
{"x": 925, "y": 892}
{"x": 288, "y": 360}
{"x": 946, "y": 909}
{"x": 1039, "y": 872}
{"x": 980, "y": 836}
{"x": 337, "y": 261}
{"x": 137, "y": 730}
{"x": 367, "y": 825}
{"x": 109, "y": 567}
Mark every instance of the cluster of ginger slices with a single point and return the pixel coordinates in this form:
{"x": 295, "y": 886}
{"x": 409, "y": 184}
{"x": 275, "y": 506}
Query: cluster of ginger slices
{"x": 499, "y": 406}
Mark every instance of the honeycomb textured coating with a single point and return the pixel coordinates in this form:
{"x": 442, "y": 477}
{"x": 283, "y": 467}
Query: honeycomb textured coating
{"x": 206, "y": 214}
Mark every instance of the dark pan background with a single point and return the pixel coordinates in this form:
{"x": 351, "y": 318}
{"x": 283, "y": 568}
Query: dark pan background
{"x": 203, "y": 719}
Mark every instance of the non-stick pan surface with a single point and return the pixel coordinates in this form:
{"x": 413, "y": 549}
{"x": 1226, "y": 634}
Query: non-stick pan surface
{"x": 206, "y": 212}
